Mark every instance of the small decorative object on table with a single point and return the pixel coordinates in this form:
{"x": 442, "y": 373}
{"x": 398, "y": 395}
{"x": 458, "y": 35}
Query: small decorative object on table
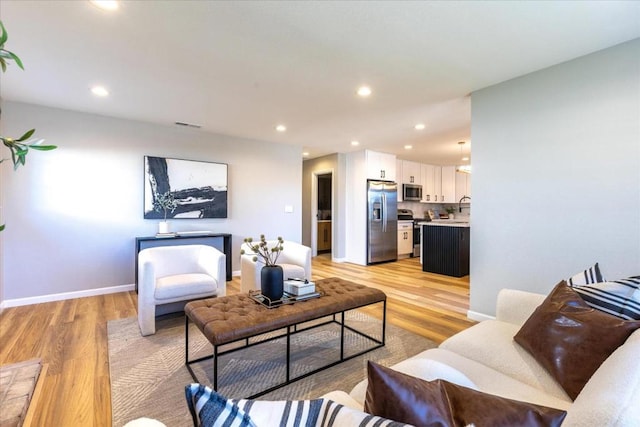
{"x": 164, "y": 202}
{"x": 271, "y": 275}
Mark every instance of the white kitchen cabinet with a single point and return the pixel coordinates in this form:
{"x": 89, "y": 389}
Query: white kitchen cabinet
{"x": 463, "y": 185}
{"x": 405, "y": 238}
{"x": 381, "y": 166}
{"x": 428, "y": 183}
{"x": 432, "y": 184}
{"x": 448, "y": 185}
{"x": 411, "y": 172}
{"x": 438, "y": 184}
{"x": 399, "y": 173}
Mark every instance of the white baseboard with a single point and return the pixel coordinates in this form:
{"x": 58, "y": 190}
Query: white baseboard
{"x": 235, "y": 273}
{"x": 479, "y": 317}
{"x": 67, "y": 295}
{"x": 339, "y": 259}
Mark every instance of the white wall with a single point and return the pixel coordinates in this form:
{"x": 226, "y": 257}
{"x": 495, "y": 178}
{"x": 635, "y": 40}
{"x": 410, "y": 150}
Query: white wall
{"x": 72, "y": 214}
{"x": 556, "y": 175}
{"x": 356, "y": 208}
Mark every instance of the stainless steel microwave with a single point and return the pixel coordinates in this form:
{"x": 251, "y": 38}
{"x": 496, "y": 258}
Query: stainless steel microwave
{"x": 411, "y": 192}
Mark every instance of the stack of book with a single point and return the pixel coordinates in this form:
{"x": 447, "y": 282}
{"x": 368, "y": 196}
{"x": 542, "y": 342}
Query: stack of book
{"x": 300, "y": 288}
{"x": 166, "y": 234}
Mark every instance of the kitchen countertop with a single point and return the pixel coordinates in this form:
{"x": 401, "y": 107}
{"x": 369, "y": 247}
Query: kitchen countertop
{"x": 446, "y": 223}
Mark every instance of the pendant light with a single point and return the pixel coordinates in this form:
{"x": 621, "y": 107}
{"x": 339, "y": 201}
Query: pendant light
{"x": 463, "y": 168}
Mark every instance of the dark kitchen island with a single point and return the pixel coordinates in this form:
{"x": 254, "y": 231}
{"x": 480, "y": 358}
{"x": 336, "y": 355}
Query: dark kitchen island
{"x": 445, "y": 248}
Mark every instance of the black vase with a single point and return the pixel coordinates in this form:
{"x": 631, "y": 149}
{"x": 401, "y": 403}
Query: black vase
{"x": 272, "y": 282}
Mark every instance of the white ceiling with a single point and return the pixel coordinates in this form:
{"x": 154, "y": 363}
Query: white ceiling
{"x": 240, "y": 68}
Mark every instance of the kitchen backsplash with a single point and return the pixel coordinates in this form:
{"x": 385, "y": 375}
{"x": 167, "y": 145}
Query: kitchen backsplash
{"x": 419, "y": 209}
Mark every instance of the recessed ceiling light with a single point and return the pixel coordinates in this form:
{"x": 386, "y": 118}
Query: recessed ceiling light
{"x": 420, "y": 126}
{"x": 305, "y": 153}
{"x": 105, "y": 4}
{"x": 99, "y": 91}
{"x": 355, "y": 143}
{"x": 364, "y": 91}
{"x": 281, "y": 128}
{"x": 408, "y": 147}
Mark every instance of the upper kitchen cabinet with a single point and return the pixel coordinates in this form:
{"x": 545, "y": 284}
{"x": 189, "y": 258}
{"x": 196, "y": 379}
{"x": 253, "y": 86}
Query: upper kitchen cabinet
{"x": 430, "y": 183}
{"x": 399, "y": 173}
{"x": 408, "y": 172}
{"x": 428, "y": 173}
{"x": 438, "y": 184}
{"x": 411, "y": 172}
{"x": 381, "y": 166}
{"x": 463, "y": 185}
{"x": 448, "y": 182}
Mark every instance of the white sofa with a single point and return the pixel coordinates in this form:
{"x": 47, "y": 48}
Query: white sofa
{"x": 486, "y": 357}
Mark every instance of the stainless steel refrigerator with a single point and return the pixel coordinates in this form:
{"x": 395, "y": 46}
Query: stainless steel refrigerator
{"x": 382, "y": 221}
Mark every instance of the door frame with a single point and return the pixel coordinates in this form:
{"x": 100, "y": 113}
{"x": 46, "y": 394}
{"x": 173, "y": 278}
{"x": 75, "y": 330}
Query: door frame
{"x": 314, "y": 208}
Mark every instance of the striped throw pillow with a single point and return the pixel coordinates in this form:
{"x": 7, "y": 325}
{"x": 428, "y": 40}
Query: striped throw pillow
{"x": 590, "y": 275}
{"x": 210, "y": 409}
{"x": 620, "y": 298}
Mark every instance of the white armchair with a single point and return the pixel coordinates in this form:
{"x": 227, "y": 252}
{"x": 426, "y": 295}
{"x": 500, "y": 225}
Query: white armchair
{"x": 169, "y": 274}
{"x": 295, "y": 260}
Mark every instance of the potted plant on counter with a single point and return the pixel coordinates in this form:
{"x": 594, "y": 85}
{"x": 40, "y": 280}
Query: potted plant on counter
{"x": 271, "y": 274}
{"x": 450, "y": 211}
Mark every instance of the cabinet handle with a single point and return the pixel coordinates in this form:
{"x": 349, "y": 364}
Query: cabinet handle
{"x": 381, "y": 173}
{"x": 436, "y": 197}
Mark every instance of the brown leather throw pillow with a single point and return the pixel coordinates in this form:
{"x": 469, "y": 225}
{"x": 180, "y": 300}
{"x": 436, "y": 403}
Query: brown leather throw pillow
{"x": 570, "y": 339}
{"x": 403, "y": 398}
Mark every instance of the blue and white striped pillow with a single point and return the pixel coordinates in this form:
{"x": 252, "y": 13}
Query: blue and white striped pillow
{"x": 210, "y": 409}
{"x": 620, "y": 298}
{"x": 590, "y": 275}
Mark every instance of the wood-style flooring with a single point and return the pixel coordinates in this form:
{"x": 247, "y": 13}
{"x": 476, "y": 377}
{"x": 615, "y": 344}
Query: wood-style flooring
{"x": 71, "y": 335}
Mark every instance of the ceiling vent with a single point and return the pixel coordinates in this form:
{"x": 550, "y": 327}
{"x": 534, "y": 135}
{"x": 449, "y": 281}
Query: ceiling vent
{"x": 189, "y": 125}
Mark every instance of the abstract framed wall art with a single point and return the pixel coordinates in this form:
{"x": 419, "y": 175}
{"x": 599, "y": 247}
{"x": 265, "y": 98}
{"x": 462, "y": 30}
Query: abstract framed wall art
{"x": 198, "y": 188}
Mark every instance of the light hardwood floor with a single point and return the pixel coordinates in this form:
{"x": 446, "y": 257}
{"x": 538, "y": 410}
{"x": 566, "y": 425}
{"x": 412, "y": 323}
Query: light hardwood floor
{"x": 71, "y": 335}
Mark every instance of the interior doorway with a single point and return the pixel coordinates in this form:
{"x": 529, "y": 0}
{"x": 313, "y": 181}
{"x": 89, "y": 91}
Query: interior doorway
{"x": 323, "y": 213}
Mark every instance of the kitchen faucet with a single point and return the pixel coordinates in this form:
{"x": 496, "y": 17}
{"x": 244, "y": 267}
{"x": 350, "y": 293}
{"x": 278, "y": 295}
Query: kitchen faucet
{"x": 460, "y": 202}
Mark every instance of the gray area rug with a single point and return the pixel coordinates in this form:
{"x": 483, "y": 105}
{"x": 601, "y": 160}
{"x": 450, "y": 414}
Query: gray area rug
{"x": 148, "y": 374}
{"x": 17, "y": 385}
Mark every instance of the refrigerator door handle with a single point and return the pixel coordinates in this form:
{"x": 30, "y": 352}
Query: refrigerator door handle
{"x": 384, "y": 213}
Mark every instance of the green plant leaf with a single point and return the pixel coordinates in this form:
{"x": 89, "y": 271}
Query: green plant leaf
{"x": 44, "y": 147}
{"x": 26, "y": 136}
{"x": 18, "y": 61}
{"x": 3, "y": 36}
{"x": 1, "y": 227}
{"x": 3, "y": 65}
{"x": 21, "y": 160}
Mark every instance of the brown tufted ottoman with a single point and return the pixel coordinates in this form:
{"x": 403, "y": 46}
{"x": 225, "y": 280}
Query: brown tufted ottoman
{"x": 228, "y": 319}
